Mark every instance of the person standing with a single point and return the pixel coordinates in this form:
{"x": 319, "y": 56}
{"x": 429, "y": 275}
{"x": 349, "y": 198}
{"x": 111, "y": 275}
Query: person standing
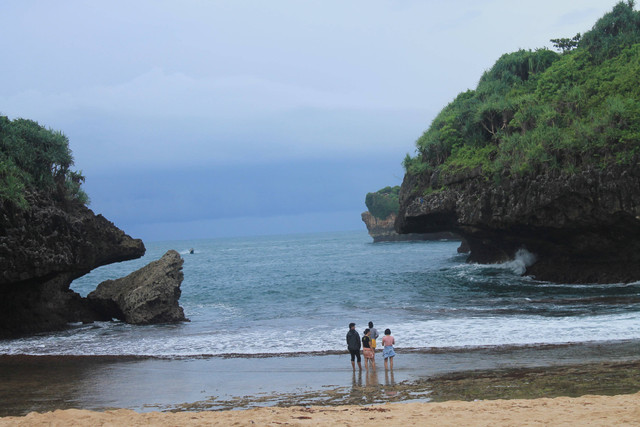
{"x": 353, "y": 344}
{"x": 367, "y": 351}
{"x": 374, "y": 336}
{"x": 388, "y": 353}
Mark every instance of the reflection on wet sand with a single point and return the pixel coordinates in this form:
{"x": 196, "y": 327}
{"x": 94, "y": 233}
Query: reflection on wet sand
{"x": 45, "y": 383}
{"x": 372, "y": 378}
{"x": 390, "y": 383}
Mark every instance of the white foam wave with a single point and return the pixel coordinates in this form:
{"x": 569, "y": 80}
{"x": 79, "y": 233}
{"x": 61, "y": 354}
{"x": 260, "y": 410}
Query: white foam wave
{"x": 121, "y": 339}
{"x": 522, "y": 259}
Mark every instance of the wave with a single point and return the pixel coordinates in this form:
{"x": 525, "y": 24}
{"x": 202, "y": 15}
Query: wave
{"x": 174, "y": 341}
{"x": 522, "y": 259}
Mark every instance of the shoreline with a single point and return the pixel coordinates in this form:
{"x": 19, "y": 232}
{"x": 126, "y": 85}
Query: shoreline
{"x": 595, "y": 410}
{"x": 561, "y": 411}
{"x": 42, "y": 384}
{"x": 338, "y": 352}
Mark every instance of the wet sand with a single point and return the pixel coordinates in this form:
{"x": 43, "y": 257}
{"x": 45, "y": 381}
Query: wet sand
{"x": 45, "y": 384}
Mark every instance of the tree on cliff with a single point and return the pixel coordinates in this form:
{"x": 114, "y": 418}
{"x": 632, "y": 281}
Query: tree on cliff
{"x": 35, "y": 158}
{"x": 383, "y": 202}
{"x": 566, "y": 44}
{"x": 534, "y": 111}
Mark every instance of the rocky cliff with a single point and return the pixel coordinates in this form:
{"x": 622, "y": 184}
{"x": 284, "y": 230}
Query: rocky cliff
{"x": 543, "y": 155}
{"x": 581, "y": 228}
{"x": 42, "y": 250}
{"x": 383, "y": 230}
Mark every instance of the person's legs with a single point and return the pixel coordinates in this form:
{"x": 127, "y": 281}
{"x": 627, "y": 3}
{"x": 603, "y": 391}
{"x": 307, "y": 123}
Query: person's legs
{"x": 385, "y": 363}
{"x": 353, "y": 358}
{"x": 358, "y": 356}
{"x": 391, "y": 362}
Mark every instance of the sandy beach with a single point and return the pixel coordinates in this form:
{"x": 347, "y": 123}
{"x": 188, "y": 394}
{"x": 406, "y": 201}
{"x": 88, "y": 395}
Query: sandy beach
{"x": 586, "y": 410}
{"x": 496, "y": 397}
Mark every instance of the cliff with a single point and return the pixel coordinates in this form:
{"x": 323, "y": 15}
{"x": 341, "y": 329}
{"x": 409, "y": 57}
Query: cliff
{"x": 542, "y": 156}
{"x": 42, "y": 250}
{"x": 383, "y": 230}
{"x": 581, "y": 228}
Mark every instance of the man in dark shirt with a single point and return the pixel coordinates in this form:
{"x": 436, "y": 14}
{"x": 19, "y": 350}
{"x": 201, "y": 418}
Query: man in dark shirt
{"x": 353, "y": 344}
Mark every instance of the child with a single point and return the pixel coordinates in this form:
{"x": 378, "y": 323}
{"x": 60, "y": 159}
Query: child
{"x": 367, "y": 351}
{"x": 374, "y": 336}
{"x": 388, "y": 353}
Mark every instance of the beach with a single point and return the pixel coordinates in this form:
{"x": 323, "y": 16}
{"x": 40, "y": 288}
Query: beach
{"x": 586, "y": 410}
{"x": 146, "y": 384}
{"x": 464, "y": 333}
{"x": 276, "y": 391}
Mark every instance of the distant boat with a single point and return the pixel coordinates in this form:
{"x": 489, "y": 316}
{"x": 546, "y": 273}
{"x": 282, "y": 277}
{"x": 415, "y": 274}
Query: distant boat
{"x": 191, "y": 251}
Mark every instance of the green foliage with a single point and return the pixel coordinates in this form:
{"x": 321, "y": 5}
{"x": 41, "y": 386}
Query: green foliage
{"x": 383, "y": 202}
{"x": 613, "y": 32}
{"x": 565, "y": 44}
{"x": 34, "y": 157}
{"x": 536, "y": 110}
{"x": 465, "y": 157}
{"x": 518, "y": 67}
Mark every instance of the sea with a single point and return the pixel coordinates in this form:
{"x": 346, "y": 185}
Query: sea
{"x": 296, "y": 294}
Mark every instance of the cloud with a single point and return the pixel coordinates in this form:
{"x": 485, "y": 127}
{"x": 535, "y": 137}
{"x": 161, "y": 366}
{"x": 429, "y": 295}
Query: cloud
{"x": 301, "y": 187}
{"x": 203, "y": 111}
{"x": 178, "y": 119}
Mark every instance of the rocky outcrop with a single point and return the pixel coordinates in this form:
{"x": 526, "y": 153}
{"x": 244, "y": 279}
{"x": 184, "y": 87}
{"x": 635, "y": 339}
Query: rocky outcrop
{"x": 582, "y": 228}
{"x": 146, "y": 296}
{"x": 42, "y": 250}
{"x": 383, "y": 230}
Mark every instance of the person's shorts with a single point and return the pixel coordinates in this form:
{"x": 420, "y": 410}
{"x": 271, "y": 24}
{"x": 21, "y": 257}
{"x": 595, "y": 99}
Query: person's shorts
{"x": 355, "y": 354}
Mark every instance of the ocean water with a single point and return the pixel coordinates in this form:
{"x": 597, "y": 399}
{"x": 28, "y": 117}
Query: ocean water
{"x": 296, "y": 294}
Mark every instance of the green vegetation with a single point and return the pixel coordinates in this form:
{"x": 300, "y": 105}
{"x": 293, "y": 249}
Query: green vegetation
{"x": 383, "y": 202}
{"x": 539, "y": 110}
{"x": 32, "y": 157}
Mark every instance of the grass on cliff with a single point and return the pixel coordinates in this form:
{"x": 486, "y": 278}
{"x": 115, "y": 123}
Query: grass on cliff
{"x": 35, "y": 158}
{"x": 383, "y": 202}
{"x": 540, "y": 110}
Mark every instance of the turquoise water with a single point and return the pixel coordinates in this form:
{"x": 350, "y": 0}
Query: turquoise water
{"x": 297, "y": 293}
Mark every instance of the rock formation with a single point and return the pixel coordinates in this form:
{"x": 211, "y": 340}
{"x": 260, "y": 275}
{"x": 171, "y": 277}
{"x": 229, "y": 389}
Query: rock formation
{"x": 383, "y": 230}
{"x": 42, "y": 250}
{"x": 582, "y": 228}
{"x": 149, "y": 295}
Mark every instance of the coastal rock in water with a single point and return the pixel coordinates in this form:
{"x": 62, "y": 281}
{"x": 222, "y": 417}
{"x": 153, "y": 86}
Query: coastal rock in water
{"x": 146, "y": 296}
{"x": 581, "y": 228}
{"x": 42, "y": 250}
{"x": 383, "y": 230}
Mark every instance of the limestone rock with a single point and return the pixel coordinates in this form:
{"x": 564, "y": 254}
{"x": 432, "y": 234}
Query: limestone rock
{"x": 383, "y": 230}
{"x": 146, "y": 296}
{"x": 582, "y": 227}
{"x": 42, "y": 250}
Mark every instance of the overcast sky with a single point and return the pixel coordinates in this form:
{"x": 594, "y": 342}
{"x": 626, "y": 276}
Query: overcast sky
{"x": 197, "y": 119}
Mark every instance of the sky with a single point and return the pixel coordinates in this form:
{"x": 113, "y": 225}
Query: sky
{"x": 203, "y": 118}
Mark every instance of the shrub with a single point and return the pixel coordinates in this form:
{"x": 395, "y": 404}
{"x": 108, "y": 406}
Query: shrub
{"x": 536, "y": 110}
{"x": 33, "y": 157}
{"x": 383, "y": 202}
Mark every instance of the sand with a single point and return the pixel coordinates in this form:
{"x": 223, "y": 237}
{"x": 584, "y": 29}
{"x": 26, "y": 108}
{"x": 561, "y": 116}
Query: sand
{"x": 586, "y": 410}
